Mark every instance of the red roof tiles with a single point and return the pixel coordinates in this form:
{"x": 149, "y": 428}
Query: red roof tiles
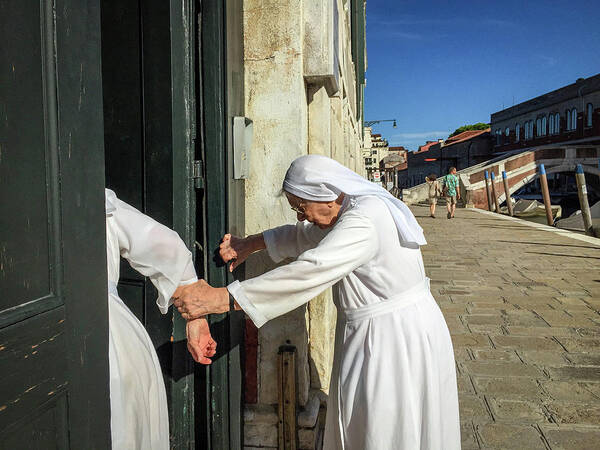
{"x": 424, "y": 148}
{"x": 465, "y": 136}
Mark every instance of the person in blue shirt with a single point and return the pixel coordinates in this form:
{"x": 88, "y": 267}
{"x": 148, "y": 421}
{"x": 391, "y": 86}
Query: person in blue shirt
{"x": 452, "y": 191}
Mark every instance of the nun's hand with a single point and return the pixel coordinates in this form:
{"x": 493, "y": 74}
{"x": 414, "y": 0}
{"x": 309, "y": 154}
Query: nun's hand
{"x": 200, "y": 343}
{"x": 199, "y": 299}
{"x": 235, "y": 250}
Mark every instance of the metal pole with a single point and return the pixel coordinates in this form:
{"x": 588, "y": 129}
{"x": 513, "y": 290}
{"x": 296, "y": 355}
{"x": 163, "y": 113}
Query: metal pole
{"x": 494, "y": 193}
{"x": 546, "y": 195}
{"x": 583, "y": 199}
{"x": 487, "y": 190}
{"x": 507, "y": 193}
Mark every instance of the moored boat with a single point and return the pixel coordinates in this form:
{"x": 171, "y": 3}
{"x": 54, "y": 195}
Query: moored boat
{"x": 533, "y": 210}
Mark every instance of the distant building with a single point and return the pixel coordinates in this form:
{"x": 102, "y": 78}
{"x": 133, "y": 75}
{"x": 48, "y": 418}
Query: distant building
{"x": 400, "y": 151}
{"x": 391, "y": 164}
{"x": 379, "y": 150}
{"x": 568, "y": 114}
{"x": 428, "y": 145}
{"x": 460, "y": 151}
{"x": 388, "y": 168}
{"x": 366, "y": 152}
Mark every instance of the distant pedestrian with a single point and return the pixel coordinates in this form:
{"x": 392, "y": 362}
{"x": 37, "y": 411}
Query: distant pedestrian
{"x": 451, "y": 191}
{"x": 433, "y": 193}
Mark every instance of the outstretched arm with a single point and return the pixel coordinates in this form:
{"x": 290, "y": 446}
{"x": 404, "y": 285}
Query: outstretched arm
{"x": 152, "y": 249}
{"x": 286, "y": 241}
{"x": 237, "y": 249}
{"x": 206, "y": 300}
{"x": 350, "y": 244}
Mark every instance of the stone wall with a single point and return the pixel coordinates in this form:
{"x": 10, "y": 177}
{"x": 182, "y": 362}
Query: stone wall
{"x": 300, "y": 92}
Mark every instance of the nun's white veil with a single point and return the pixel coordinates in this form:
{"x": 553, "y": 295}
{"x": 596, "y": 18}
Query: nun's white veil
{"x": 322, "y": 179}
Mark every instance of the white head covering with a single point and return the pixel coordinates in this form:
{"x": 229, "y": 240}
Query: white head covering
{"x": 318, "y": 178}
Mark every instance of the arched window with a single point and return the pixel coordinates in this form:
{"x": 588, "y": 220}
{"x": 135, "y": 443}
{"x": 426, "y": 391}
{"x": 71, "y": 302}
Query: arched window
{"x": 531, "y": 129}
{"x": 517, "y": 132}
{"x": 538, "y": 127}
{"x": 574, "y": 119}
{"x": 507, "y": 131}
{"x": 544, "y": 124}
{"x": 588, "y": 114}
{"x": 557, "y": 123}
{"x": 551, "y": 124}
{"x": 568, "y": 116}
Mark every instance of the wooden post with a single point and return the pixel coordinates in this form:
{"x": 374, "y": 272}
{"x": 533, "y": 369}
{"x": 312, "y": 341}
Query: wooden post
{"x": 487, "y": 190}
{"x": 507, "y": 193}
{"x": 288, "y": 434}
{"x": 494, "y": 193}
{"x": 546, "y": 195}
{"x": 583, "y": 199}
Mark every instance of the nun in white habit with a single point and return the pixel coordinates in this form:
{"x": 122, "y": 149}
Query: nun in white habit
{"x": 393, "y": 382}
{"x": 138, "y": 401}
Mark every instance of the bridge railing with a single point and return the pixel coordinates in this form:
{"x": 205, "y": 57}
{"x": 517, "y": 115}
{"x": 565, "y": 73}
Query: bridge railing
{"x": 521, "y": 169}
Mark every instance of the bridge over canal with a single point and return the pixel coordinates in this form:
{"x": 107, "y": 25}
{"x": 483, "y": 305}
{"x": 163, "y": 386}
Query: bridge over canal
{"x": 521, "y": 169}
{"x": 522, "y": 302}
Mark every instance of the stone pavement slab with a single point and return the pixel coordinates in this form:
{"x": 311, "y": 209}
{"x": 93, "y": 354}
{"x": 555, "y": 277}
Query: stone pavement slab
{"x": 523, "y": 308}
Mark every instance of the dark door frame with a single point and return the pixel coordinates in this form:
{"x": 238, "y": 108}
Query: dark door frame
{"x": 219, "y": 423}
{"x": 183, "y": 114}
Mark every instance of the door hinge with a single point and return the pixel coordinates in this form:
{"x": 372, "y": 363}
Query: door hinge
{"x": 197, "y": 176}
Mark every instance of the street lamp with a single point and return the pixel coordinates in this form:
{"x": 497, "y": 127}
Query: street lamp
{"x": 368, "y": 123}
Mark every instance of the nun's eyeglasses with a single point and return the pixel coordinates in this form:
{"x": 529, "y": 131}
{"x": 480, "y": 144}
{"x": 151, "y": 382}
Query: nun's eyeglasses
{"x": 298, "y": 209}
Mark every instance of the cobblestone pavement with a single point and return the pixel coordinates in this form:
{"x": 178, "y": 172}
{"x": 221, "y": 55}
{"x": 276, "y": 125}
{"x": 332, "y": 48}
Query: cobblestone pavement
{"x": 522, "y": 305}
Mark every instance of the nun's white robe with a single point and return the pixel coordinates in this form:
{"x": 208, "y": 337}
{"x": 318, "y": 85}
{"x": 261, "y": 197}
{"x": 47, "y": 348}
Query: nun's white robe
{"x": 393, "y": 382}
{"x": 138, "y": 401}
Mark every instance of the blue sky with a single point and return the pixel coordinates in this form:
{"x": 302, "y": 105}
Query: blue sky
{"x": 435, "y": 65}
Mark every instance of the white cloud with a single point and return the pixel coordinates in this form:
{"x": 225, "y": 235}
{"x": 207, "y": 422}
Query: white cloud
{"x": 404, "y": 35}
{"x": 548, "y": 60}
{"x": 423, "y": 135}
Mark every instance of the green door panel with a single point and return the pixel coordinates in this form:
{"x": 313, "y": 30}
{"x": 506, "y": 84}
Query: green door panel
{"x": 53, "y": 293}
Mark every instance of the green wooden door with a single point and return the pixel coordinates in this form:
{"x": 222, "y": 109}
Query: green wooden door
{"x": 219, "y": 404}
{"x": 148, "y": 125}
{"x": 159, "y": 60}
{"x": 53, "y": 292}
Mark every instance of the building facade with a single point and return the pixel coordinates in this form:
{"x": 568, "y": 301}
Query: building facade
{"x": 304, "y": 82}
{"x": 568, "y": 114}
{"x": 367, "y": 148}
{"x": 390, "y": 165}
{"x": 379, "y": 150}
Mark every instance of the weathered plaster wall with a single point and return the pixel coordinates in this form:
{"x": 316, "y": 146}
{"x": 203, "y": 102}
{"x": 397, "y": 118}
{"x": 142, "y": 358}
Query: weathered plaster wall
{"x": 298, "y": 106}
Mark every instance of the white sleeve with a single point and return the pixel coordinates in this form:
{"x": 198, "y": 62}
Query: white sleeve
{"x": 351, "y": 243}
{"x": 289, "y": 241}
{"x": 154, "y": 250}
